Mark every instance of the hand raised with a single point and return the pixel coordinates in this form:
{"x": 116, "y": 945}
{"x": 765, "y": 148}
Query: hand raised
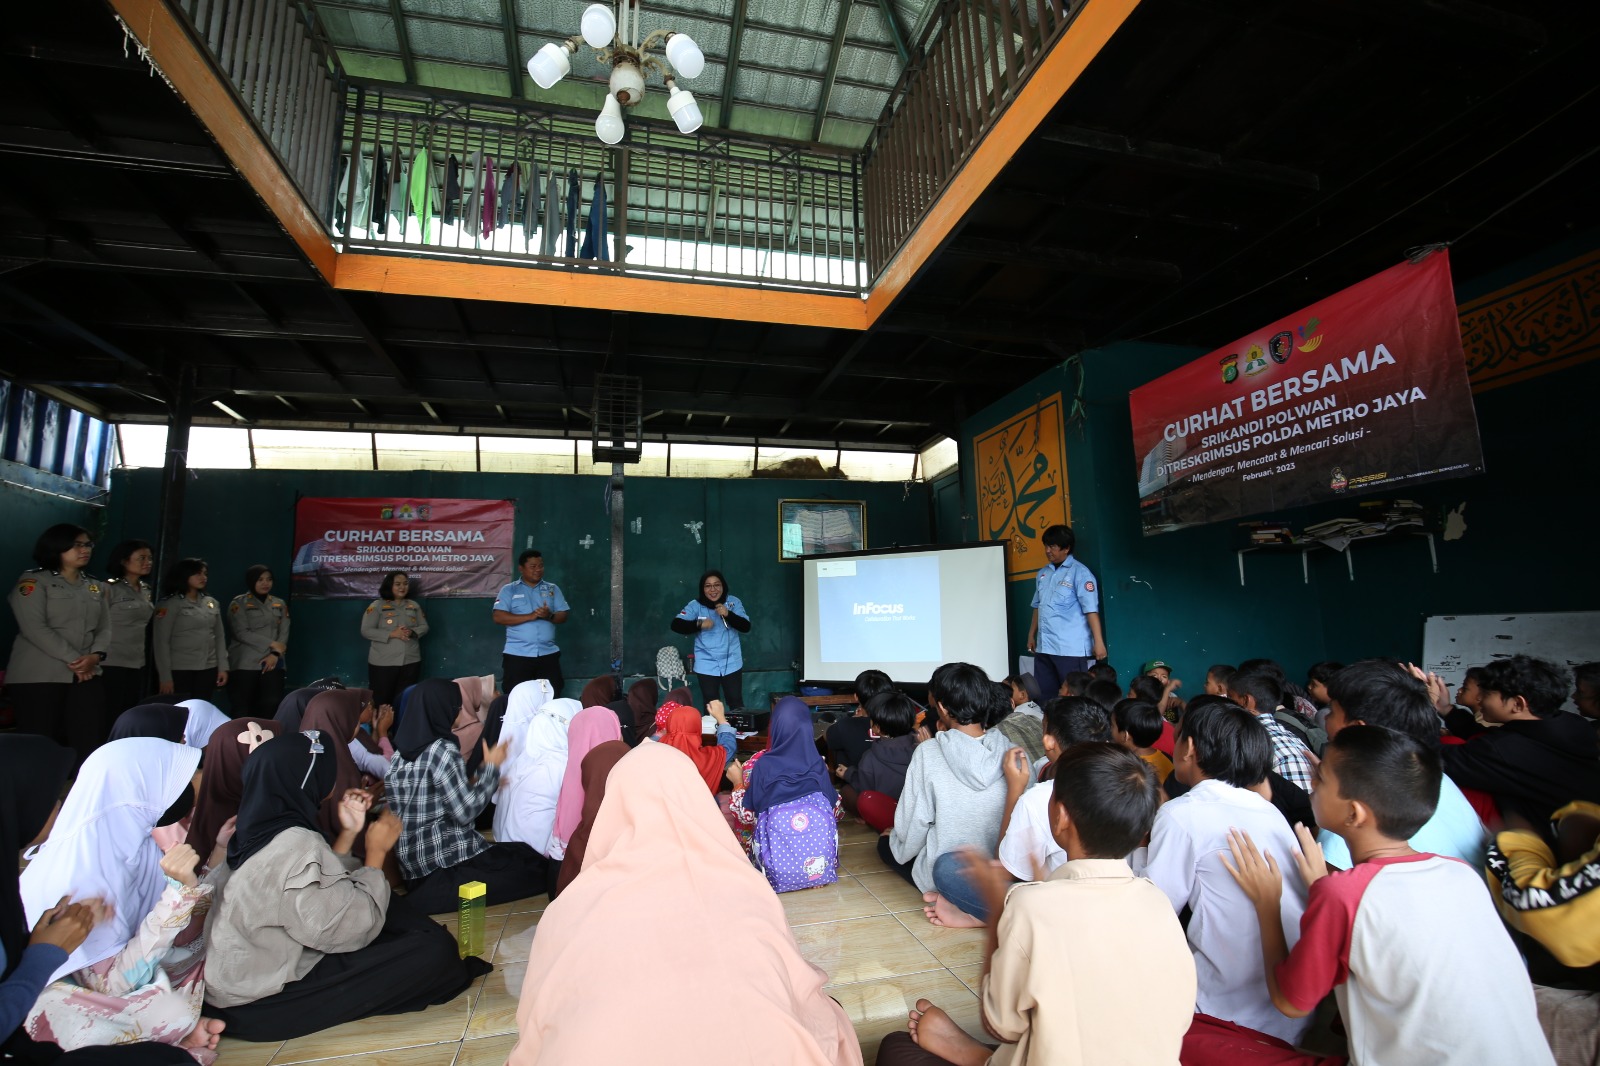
{"x": 383, "y": 833}
{"x": 353, "y": 809}
{"x": 180, "y": 862}
{"x": 495, "y": 756}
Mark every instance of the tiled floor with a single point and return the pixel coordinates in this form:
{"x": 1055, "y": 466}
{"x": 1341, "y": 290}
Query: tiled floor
{"x": 867, "y": 932}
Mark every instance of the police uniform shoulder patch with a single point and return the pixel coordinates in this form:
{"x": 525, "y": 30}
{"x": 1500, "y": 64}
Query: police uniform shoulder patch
{"x": 161, "y": 612}
{"x": 27, "y": 585}
{"x": 211, "y": 603}
{"x": 233, "y": 608}
{"x": 1088, "y": 586}
{"x": 94, "y": 589}
{"x": 369, "y": 608}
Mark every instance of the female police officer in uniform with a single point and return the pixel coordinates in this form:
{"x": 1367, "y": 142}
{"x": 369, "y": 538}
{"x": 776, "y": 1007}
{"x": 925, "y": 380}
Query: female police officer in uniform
{"x": 190, "y": 645}
{"x": 132, "y": 605}
{"x": 716, "y": 619}
{"x": 260, "y": 624}
{"x": 64, "y": 632}
{"x": 395, "y": 626}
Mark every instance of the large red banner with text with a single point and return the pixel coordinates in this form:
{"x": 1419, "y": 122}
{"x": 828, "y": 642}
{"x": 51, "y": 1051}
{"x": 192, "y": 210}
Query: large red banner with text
{"x": 1362, "y": 391}
{"x": 449, "y": 548}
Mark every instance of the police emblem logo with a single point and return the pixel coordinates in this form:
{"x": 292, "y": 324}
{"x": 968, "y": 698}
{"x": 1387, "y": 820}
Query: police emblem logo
{"x": 1281, "y": 346}
{"x": 27, "y": 587}
{"x": 1088, "y": 586}
{"x": 94, "y": 589}
{"x": 1338, "y": 482}
{"x": 1255, "y": 360}
{"x": 1230, "y": 369}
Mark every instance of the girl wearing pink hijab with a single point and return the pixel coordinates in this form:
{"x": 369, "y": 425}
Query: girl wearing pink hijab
{"x": 590, "y": 728}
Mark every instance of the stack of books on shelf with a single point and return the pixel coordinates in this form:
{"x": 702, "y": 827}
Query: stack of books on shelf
{"x": 1265, "y": 533}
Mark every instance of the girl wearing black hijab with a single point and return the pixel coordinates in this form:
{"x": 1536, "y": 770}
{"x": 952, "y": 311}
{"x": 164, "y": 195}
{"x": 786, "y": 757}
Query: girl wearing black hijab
{"x": 164, "y": 720}
{"x": 429, "y": 787}
{"x": 33, "y": 770}
{"x": 303, "y": 935}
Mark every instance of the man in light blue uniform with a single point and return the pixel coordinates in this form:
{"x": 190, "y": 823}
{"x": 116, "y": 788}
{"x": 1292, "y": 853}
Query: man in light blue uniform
{"x": 716, "y": 619}
{"x": 1065, "y": 634}
{"x": 530, "y": 608}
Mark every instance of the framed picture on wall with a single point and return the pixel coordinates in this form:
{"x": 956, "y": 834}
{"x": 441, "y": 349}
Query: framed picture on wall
{"x": 820, "y": 527}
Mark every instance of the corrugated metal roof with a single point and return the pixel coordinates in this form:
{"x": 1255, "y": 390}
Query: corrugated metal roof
{"x": 783, "y": 55}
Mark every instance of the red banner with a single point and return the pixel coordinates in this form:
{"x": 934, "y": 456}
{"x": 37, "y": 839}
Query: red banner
{"x": 1362, "y": 391}
{"x": 449, "y": 548}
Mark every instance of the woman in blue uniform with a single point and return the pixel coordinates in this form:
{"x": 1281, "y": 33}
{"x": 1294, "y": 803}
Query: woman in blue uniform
{"x": 716, "y": 619}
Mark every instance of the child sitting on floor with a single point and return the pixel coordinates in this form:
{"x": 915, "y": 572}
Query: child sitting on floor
{"x": 1023, "y": 725}
{"x": 1217, "y": 679}
{"x": 872, "y": 789}
{"x": 1376, "y": 788}
{"x": 1136, "y": 725}
{"x": 1058, "y": 986}
{"x": 1223, "y": 756}
{"x": 954, "y": 792}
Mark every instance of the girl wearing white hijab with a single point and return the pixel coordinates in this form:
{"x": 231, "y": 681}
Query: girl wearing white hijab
{"x": 531, "y": 784}
{"x": 204, "y": 719}
{"x": 138, "y": 974}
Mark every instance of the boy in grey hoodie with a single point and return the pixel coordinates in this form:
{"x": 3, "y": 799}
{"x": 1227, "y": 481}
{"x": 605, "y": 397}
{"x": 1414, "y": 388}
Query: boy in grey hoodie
{"x": 955, "y": 792}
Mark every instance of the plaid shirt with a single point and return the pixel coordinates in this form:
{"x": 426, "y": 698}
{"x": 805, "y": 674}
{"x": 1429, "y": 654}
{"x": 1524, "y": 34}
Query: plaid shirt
{"x": 437, "y": 806}
{"x": 1288, "y": 753}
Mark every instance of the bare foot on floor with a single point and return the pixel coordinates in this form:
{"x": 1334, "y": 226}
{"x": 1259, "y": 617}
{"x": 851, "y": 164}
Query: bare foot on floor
{"x": 204, "y": 1036}
{"x": 941, "y": 911}
{"x": 935, "y": 1031}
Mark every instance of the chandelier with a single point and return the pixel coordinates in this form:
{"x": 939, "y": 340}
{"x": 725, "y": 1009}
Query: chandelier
{"x": 615, "y": 39}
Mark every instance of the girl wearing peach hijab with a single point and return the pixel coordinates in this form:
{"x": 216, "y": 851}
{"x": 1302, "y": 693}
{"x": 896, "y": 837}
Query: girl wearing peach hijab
{"x": 658, "y": 847}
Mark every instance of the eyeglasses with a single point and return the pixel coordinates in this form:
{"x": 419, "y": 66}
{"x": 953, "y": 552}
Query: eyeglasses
{"x": 83, "y": 544}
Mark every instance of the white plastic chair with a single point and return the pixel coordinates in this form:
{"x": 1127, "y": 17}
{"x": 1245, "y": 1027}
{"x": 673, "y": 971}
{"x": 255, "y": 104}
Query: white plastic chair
{"x": 669, "y": 668}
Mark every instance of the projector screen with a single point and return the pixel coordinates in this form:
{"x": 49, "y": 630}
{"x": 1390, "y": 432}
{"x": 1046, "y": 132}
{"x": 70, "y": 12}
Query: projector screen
{"x": 905, "y": 611}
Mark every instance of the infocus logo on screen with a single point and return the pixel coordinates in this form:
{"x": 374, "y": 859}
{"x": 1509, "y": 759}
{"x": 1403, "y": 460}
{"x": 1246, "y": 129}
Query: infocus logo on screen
{"x": 879, "y": 608}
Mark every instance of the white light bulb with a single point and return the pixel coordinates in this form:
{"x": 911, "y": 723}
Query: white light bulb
{"x": 599, "y": 25}
{"x": 608, "y": 126}
{"x": 685, "y": 56}
{"x": 684, "y": 111}
{"x": 549, "y": 65}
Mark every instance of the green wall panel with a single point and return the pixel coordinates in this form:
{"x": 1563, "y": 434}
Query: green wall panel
{"x": 236, "y": 518}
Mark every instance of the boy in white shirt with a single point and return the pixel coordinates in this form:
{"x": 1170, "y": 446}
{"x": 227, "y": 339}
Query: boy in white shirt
{"x": 1221, "y": 752}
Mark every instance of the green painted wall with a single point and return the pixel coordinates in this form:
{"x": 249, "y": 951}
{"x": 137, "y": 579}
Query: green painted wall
{"x": 236, "y": 518}
{"x": 1177, "y": 596}
{"x": 27, "y": 514}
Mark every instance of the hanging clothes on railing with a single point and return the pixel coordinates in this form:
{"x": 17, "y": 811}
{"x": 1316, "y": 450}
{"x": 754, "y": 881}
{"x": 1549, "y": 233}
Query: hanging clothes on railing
{"x": 472, "y": 183}
{"x": 400, "y": 190}
{"x": 553, "y": 222}
{"x": 510, "y": 189}
{"x": 452, "y": 189}
{"x": 490, "y": 200}
{"x": 422, "y": 192}
{"x": 362, "y": 207}
{"x": 379, "y": 221}
{"x": 532, "y": 205}
{"x": 574, "y": 202}
{"x": 596, "y": 241}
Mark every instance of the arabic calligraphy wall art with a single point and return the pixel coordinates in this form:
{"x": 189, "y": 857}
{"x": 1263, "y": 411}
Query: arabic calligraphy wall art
{"x": 1364, "y": 390}
{"x": 1022, "y": 484}
{"x": 1547, "y": 322}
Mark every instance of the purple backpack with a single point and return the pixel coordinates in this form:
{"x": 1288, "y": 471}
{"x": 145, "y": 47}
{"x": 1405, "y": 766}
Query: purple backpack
{"x": 796, "y": 844}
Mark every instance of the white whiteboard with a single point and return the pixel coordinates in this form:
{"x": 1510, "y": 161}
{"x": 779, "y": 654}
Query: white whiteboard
{"x": 1453, "y": 642}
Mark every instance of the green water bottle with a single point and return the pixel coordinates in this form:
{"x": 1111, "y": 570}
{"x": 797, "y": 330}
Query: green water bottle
{"x": 470, "y": 918}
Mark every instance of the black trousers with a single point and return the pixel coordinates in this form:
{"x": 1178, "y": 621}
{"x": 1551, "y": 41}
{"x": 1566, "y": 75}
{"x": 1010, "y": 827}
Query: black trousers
{"x": 254, "y": 693}
{"x": 520, "y": 668}
{"x": 729, "y": 688}
{"x": 20, "y": 1049}
{"x": 126, "y": 686}
{"x": 509, "y": 871}
{"x": 411, "y": 965}
{"x": 886, "y": 853}
{"x": 198, "y": 685}
{"x": 898, "y": 1049}
{"x": 73, "y": 714}
{"x": 387, "y": 682}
